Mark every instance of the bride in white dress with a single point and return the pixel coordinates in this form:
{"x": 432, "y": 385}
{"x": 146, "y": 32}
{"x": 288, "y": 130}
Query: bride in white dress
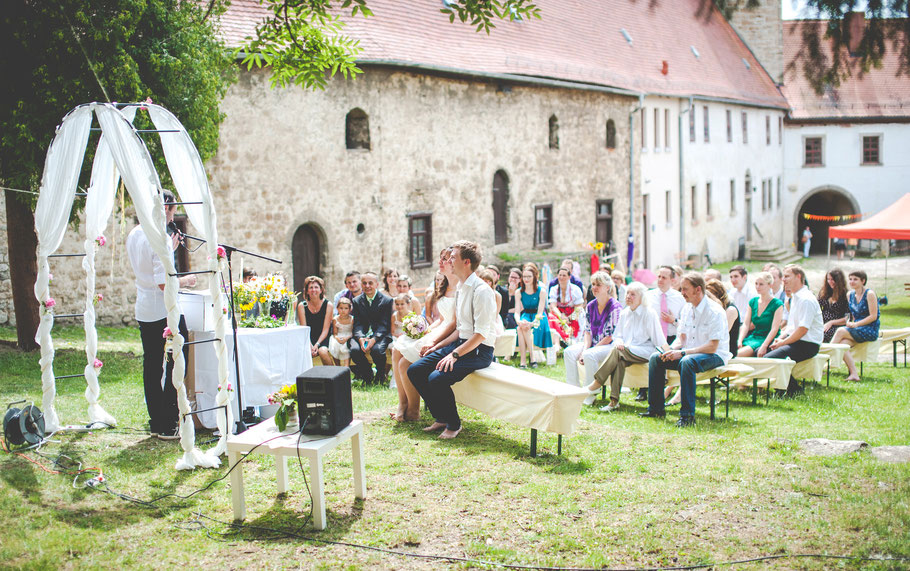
{"x": 406, "y": 350}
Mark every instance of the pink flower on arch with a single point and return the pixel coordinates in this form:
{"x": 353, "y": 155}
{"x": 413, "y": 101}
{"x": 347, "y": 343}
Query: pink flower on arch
{"x": 98, "y": 364}
{"x": 50, "y": 303}
{"x": 101, "y": 240}
{"x": 167, "y": 333}
{"x": 98, "y": 298}
{"x": 221, "y": 252}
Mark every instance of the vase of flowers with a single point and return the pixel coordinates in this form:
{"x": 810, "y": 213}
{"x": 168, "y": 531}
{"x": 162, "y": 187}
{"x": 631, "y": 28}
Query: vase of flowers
{"x": 286, "y": 415}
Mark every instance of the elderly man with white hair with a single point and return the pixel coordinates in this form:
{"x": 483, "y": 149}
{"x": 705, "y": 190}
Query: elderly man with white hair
{"x": 636, "y": 336}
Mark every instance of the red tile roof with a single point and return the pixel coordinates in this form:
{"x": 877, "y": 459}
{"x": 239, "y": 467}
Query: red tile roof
{"x": 575, "y": 40}
{"x": 877, "y": 94}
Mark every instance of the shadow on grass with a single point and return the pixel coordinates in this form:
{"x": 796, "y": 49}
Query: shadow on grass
{"x": 281, "y": 522}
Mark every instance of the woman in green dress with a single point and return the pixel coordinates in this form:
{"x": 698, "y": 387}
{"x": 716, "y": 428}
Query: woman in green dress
{"x": 762, "y": 319}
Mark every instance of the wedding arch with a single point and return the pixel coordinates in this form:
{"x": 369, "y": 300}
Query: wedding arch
{"x": 122, "y": 154}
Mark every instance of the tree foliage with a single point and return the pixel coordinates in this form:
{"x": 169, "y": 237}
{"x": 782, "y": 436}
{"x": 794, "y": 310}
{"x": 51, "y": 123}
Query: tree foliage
{"x": 303, "y": 41}
{"x": 58, "y": 54}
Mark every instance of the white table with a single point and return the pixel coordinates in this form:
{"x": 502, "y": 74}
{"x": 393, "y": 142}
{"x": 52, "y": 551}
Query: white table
{"x": 269, "y": 359}
{"x": 264, "y": 438}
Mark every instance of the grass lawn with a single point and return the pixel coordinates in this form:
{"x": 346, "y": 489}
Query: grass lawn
{"x": 626, "y": 492}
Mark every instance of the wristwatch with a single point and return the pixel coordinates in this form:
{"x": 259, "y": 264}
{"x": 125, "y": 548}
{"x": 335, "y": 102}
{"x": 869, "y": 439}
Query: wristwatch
{"x": 683, "y": 351}
{"x": 455, "y": 355}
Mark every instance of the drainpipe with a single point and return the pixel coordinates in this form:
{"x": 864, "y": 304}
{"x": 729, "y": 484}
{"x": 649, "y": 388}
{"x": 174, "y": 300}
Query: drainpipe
{"x": 641, "y": 103}
{"x": 682, "y": 191}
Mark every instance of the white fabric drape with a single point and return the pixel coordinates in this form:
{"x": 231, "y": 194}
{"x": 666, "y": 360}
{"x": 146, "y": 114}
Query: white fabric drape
{"x": 98, "y": 207}
{"x": 121, "y": 153}
{"x": 55, "y": 202}
{"x": 191, "y": 183}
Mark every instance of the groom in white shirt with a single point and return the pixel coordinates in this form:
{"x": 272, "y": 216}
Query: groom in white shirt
{"x": 465, "y": 345}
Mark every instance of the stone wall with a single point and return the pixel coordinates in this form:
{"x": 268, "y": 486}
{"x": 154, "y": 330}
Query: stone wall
{"x": 762, "y": 30}
{"x": 436, "y": 143}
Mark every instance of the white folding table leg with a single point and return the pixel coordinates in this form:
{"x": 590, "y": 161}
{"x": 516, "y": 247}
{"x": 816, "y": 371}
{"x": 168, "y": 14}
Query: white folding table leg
{"x": 317, "y": 486}
{"x": 360, "y": 486}
{"x": 281, "y": 468}
{"x": 237, "y": 499}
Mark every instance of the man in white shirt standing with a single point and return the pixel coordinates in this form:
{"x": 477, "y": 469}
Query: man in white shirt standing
{"x": 703, "y": 344}
{"x": 465, "y": 345}
{"x": 805, "y": 329}
{"x": 668, "y": 303}
{"x": 742, "y": 290}
{"x": 160, "y": 400}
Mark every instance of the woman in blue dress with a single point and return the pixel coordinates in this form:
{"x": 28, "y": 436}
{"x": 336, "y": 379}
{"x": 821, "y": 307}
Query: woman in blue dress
{"x": 863, "y": 323}
{"x": 531, "y": 307}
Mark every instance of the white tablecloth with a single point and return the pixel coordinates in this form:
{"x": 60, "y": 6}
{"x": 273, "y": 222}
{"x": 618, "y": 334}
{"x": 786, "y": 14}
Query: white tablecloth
{"x": 269, "y": 359}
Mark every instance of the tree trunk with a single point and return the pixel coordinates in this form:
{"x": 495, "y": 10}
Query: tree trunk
{"x": 23, "y": 268}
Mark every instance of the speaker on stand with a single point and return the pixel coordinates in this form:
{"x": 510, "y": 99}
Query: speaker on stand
{"x": 324, "y": 400}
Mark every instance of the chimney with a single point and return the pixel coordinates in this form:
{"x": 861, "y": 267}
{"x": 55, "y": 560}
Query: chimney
{"x": 855, "y": 26}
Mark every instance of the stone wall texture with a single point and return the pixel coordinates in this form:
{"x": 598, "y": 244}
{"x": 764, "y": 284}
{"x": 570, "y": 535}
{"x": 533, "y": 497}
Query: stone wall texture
{"x": 436, "y": 143}
{"x": 762, "y": 30}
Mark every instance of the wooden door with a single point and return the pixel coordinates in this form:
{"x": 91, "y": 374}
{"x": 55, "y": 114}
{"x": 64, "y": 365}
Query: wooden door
{"x": 306, "y": 252}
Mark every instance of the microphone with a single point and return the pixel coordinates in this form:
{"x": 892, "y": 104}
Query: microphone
{"x": 172, "y": 229}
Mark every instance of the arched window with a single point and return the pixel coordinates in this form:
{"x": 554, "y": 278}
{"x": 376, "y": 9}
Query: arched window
{"x": 611, "y": 134}
{"x": 357, "y": 130}
{"x": 500, "y": 207}
{"x": 554, "y": 132}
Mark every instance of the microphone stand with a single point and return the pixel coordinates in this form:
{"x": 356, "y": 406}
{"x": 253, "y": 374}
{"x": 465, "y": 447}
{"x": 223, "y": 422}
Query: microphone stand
{"x": 240, "y": 425}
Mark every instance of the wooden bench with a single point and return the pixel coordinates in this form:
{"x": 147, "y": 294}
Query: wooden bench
{"x": 523, "y": 398}
{"x": 835, "y": 353}
{"x": 867, "y": 351}
{"x": 776, "y": 370}
{"x": 895, "y": 337}
{"x": 811, "y": 368}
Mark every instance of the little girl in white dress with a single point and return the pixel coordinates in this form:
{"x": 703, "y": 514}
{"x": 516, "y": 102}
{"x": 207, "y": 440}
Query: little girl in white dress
{"x": 342, "y": 331}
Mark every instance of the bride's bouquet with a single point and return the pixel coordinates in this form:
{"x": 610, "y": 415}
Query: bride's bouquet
{"x": 415, "y": 326}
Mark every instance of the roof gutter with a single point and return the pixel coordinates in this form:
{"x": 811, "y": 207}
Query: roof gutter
{"x": 641, "y": 104}
{"x": 729, "y": 101}
{"x": 510, "y": 77}
{"x": 682, "y": 200}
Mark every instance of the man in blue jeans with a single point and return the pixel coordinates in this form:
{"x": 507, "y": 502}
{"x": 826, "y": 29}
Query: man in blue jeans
{"x": 702, "y": 344}
{"x": 463, "y": 347}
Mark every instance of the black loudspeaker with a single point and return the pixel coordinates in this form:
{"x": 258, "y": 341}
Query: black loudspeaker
{"x": 324, "y": 400}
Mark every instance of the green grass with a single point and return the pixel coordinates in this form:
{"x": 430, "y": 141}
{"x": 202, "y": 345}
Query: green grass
{"x": 626, "y": 492}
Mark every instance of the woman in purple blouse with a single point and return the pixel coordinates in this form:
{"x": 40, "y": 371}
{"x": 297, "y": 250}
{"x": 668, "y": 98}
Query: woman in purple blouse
{"x": 602, "y": 316}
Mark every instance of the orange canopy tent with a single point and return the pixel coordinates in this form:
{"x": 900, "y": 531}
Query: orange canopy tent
{"x": 892, "y": 223}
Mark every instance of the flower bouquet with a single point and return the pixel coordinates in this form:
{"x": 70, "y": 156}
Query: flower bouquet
{"x": 415, "y": 326}
{"x": 286, "y": 399}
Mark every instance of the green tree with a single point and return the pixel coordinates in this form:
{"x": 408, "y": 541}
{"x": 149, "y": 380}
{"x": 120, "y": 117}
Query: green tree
{"x": 58, "y": 54}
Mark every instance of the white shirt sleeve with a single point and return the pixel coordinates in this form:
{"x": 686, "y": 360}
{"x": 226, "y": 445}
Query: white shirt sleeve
{"x": 578, "y": 298}
{"x": 485, "y": 311}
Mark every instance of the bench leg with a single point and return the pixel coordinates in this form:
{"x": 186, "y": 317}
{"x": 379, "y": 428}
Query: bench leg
{"x": 755, "y": 391}
{"x": 894, "y": 354}
{"x": 559, "y": 444}
{"x": 727, "y": 413}
{"x": 861, "y": 369}
{"x": 713, "y": 392}
{"x": 828, "y": 374}
{"x": 533, "y": 443}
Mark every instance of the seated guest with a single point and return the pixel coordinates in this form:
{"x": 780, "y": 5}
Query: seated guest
{"x": 351, "y": 288}
{"x": 488, "y": 276}
{"x": 864, "y": 319}
{"x": 669, "y": 304}
{"x": 602, "y": 316}
{"x": 678, "y": 272}
{"x": 569, "y": 265}
{"x": 342, "y": 331}
{"x": 742, "y": 291}
{"x": 430, "y": 310}
{"x": 248, "y": 275}
{"x": 833, "y": 300}
{"x": 762, "y": 320}
{"x": 402, "y": 308}
{"x": 316, "y": 313}
{"x": 712, "y": 274}
{"x": 777, "y": 287}
{"x": 404, "y": 286}
{"x": 507, "y": 312}
{"x": 619, "y": 285}
{"x": 390, "y": 282}
{"x": 702, "y": 344}
{"x": 715, "y": 290}
{"x": 636, "y": 336}
{"x": 466, "y": 345}
{"x": 565, "y": 303}
{"x": 531, "y": 307}
{"x": 801, "y": 337}
{"x": 372, "y": 330}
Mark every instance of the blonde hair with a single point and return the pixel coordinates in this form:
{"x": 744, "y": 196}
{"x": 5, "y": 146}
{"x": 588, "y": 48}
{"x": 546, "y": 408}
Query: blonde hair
{"x": 344, "y": 301}
{"x": 603, "y": 279}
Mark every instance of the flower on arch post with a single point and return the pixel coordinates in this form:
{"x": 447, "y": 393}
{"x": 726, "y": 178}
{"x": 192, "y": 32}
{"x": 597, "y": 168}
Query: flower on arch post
{"x": 100, "y": 240}
{"x": 168, "y": 334}
{"x": 98, "y": 364}
{"x": 221, "y": 253}
{"x": 49, "y": 303}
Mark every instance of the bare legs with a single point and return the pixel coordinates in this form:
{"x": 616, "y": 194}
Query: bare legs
{"x": 525, "y": 342}
{"x": 408, "y": 397}
{"x": 842, "y": 335}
